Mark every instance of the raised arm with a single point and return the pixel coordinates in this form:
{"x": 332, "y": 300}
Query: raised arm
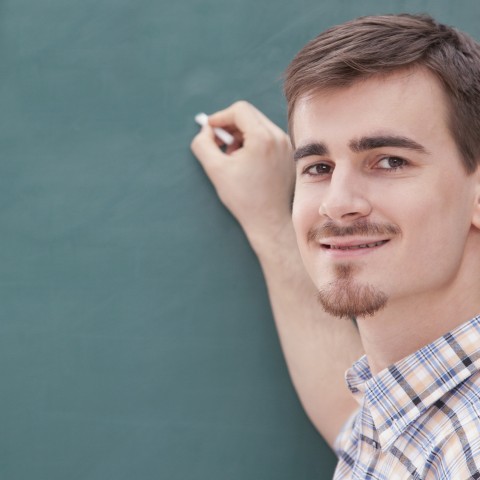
{"x": 254, "y": 178}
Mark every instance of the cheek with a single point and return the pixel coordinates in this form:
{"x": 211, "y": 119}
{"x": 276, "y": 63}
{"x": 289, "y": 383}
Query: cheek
{"x": 304, "y": 214}
{"x": 436, "y": 233}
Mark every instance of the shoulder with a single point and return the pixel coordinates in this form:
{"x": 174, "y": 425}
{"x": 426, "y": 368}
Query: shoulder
{"x": 455, "y": 452}
{"x": 457, "y": 455}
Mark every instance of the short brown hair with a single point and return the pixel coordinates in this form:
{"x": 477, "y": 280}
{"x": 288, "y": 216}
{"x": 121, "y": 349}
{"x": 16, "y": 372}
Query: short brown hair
{"x": 375, "y": 45}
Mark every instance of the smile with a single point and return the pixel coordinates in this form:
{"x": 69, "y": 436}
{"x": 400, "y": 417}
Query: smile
{"x": 355, "y": 247}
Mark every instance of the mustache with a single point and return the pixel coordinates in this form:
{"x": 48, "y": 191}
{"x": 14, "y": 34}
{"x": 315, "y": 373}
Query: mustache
{"x": 363, "y": 228}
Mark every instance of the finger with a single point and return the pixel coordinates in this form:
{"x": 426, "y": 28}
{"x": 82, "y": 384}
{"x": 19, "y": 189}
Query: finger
{"x": 231, "y": 147}
{"x": 236, "y": 145}
{"x": 240, "y": 116}
{"x": 246, "y": 118}
{"x": 205, "y": 148}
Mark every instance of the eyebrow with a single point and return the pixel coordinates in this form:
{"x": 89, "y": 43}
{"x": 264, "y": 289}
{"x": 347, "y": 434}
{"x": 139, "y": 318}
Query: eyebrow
{"x": 314, "y": 148}
{"x": 361, "y": 145}
{"x": 378, "y": 141}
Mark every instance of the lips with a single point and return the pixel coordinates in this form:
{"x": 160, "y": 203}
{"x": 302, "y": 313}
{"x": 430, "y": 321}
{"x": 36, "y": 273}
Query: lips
{"x": 355, "y": 247}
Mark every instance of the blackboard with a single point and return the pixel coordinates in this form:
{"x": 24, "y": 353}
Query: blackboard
{"x": 136, "y": 339}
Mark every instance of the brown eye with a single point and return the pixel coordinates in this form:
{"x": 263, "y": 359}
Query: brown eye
{"x": 319, "y": 169}
{"x": 391, "y": 163}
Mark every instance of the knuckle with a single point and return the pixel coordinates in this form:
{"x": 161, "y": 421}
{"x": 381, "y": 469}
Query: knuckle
{"x": 284, "y": 142}
{"x": 241, "y": 105}
{"x": 265, "y": 141}
{"x": 194, "y": 143}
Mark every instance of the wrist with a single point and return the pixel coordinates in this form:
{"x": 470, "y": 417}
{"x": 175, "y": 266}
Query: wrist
{"x": 274, "y": 242}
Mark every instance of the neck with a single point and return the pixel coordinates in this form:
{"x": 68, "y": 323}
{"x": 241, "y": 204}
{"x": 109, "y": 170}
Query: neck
{"x": 406, "y": 325}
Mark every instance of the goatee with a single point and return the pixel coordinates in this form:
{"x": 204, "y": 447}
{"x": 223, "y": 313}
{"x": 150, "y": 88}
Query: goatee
{"x": 346, "y": 298}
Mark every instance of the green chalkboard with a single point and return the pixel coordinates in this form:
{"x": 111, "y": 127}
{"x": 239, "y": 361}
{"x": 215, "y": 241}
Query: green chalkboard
{"x": 136, "y": 339}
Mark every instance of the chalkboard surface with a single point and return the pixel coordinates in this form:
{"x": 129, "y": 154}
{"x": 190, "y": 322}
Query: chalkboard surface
{"x": 136, "y": 339}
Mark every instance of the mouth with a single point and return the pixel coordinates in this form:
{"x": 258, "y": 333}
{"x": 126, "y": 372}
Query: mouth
{"x": 355, "y": 246}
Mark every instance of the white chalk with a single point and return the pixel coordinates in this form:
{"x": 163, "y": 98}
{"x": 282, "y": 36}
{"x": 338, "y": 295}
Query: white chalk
{"x": 223, "y": 135}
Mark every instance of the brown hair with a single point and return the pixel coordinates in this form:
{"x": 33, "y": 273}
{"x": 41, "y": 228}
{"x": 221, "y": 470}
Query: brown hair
{"x": 375, "y": 45}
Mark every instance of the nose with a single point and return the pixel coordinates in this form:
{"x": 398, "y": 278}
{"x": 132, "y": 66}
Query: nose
{"x": 345, "y": 197}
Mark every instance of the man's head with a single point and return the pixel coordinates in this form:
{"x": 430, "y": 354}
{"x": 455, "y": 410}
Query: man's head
{"x": 387, "y": 201}
{"x": 370, "y": 46}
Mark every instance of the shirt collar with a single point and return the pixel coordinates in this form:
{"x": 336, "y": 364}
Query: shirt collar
{"x": 398, "y": 395}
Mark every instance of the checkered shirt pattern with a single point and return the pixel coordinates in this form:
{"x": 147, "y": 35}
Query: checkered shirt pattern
{"x": 419, "y": 418}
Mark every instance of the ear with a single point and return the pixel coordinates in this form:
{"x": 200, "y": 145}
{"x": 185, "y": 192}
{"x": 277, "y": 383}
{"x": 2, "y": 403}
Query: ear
{"x": 476, "y": 199}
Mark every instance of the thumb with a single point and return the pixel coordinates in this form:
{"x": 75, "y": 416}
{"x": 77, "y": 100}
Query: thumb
{"x": 205, "y": 148}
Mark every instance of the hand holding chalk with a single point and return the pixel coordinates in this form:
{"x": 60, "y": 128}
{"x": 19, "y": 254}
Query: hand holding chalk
{"x": 223, "y": 135}
{"x": 254, "y": 177}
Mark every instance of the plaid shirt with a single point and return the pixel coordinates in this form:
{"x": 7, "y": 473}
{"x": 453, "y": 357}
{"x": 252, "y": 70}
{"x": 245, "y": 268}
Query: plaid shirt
{"x": 419, "y": 418}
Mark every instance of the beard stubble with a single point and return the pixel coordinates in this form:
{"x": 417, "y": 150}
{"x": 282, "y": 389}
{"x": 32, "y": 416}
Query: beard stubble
{"x": 346, "y": 298}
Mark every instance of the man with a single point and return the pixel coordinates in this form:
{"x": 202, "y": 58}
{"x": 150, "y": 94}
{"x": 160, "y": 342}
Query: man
{"x": 384, "y": 115}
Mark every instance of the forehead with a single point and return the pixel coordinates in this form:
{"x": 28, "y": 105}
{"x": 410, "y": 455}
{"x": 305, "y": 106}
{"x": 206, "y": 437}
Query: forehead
{"x": 411, "y": 103}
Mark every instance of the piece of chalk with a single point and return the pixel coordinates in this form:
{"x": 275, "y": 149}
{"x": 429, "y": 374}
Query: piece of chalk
{"x": 223, "y": 135}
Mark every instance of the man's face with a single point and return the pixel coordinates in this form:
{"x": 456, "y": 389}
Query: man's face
{"x": 383, "y": 206}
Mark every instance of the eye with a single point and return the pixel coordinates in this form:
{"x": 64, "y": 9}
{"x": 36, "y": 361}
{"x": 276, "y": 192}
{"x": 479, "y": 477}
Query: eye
{"x": 318, "y": 169}
{"x": 391, "y": 163}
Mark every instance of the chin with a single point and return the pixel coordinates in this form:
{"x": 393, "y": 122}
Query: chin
{"x": 346, "y": 297}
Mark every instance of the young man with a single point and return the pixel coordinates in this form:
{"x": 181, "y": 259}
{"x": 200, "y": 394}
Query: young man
{"x": 384, "y": 115}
